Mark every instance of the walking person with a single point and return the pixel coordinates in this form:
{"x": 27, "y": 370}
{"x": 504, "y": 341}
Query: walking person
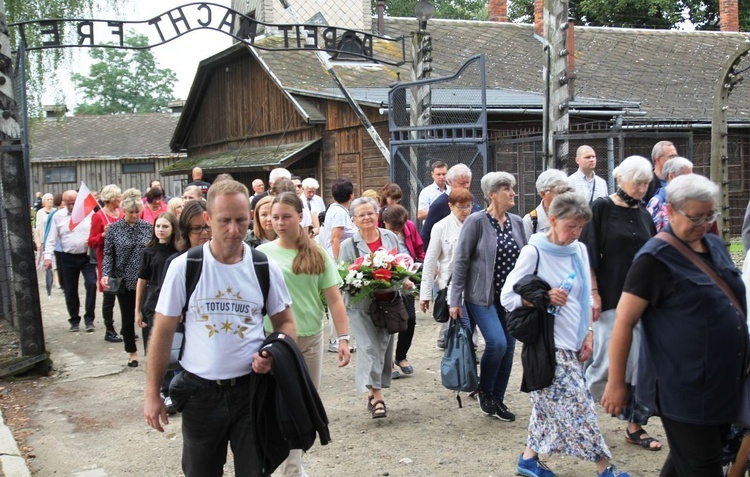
{"x": 308, "y": 272}
{"x": 686, "y": 292}
{"x": 409, "y": 242}
{"x": 375, "y": 355}
{"x": 619, "y": 227}
{"x": 563, "y": 413}
{"x": 213, "y": 390}
{"x": 74, "y": 262}
{"x": 153, "y": 261}
{"x": 123, "y": 245}
{"x": 111, "y": 195}
{"x": 487, "y": 250}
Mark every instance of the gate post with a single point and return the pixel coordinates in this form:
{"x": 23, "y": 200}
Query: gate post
{"x": 720, "y": 132}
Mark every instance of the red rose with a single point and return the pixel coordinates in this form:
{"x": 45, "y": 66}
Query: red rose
{"x": 381, "y": 274}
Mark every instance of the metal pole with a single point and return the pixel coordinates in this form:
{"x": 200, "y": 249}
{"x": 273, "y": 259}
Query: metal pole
{"x": 347, "y": 95}
{"x": 24, "y": 112}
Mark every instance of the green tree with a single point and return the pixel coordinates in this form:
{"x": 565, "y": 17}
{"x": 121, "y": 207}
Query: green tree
{"x": 125, "y": 81}
{"x": 455, "y": 9}
{"x": 703, "y": 14}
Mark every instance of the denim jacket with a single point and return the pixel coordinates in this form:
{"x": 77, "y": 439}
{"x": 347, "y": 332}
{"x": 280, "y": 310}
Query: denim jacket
{"x": 474, "y": 259}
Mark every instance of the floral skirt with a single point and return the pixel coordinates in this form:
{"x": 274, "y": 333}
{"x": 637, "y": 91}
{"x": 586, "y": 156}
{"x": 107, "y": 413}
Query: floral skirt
{"x": 563, "y": 415}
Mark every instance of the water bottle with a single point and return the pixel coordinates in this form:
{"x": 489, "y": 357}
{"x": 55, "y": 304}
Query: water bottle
{"x": 566, "y": 285}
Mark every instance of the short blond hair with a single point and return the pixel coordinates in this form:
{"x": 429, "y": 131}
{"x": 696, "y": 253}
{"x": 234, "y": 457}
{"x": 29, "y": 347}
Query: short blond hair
{"x": 227, "y": 187}
{"x": 131, "y": 201}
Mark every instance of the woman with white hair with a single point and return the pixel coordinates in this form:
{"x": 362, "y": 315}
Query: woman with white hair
{"x": 487, "y": 250}
{"x": 693, "y": 328}
{"x": 620, "y": 226}
{"x": 548, "y": 184}
{"x": 373, "y": 369}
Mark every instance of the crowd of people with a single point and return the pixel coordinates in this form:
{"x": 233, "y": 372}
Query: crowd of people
{"x": 643, "y": 328}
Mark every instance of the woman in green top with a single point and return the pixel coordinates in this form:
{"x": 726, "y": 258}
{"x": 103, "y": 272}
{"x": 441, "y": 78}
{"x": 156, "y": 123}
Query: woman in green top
{"x": 308, "y": 270}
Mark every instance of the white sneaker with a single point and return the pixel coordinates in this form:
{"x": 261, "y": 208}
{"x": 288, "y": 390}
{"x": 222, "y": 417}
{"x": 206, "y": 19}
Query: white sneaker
{"x": 170, "y": 407}
{"x": 333, "y": 346}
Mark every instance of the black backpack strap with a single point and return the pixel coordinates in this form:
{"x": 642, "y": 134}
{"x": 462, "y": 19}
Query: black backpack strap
{"x": 192, "y": 275}
{"x": 536, "y": 268}
{"x": 260, "y": 263}
{"x": 534, "y": 221}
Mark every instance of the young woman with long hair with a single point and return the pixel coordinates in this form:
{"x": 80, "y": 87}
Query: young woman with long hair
{"x": 163, "y": 244}
{"x": 308, "y": 272}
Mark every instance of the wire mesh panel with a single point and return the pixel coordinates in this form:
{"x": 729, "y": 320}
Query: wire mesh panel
{"x": 441, "y": 119}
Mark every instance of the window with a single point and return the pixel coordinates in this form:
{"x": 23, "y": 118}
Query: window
{"x": 56, "y": 175}
{"x": 137, "y": 167}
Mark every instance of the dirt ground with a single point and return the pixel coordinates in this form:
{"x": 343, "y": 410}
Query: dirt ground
{"x": 85, "y": 419}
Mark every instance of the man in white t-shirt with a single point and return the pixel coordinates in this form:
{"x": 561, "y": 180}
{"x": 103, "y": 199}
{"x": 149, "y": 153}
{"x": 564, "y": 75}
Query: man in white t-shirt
{"x": 434, "y": 190}
{"x": 223, "y": 333}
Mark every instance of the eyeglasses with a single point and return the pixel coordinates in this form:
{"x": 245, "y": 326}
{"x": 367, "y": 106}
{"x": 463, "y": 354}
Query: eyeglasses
{"x": 701, "y": 220}
{"x": 365, "y": 215}
{"x": 198, "y": 229}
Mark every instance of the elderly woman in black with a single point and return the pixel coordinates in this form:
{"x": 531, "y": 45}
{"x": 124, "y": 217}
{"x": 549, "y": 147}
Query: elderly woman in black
{"x": 123, "y": 245}
{"x": 487, "y": 250}
{"x": 618, "y": 229}
{"x": 694, "y": 332}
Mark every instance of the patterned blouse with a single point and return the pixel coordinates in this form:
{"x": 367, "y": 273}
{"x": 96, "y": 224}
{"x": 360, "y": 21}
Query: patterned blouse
{"x": 123, "y": 245}
{"x": 507, "y": 252}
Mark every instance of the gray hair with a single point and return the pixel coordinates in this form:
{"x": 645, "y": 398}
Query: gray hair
{"x": 570, "y": 205}
{"x": 677, "y": 166}
{"x": 363, "y": 201}
{"x": 658, "y": 149}
{"x": 310, "y": 183}
{"x": 633, "y": 169}
{"x": 277, "y": 174}
{"x": 459, "y": 170}
{"x": 494, "y": 181}
{"x": 550, "y": 179}
{"x": 110, "y": 192}
{"x": 193, "y": 188}
{"x": 131, "y": 200}
{"x": 691, "y": 187}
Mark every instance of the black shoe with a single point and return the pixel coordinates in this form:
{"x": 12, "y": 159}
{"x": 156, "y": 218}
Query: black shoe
{"x": 112, "y": 337}
{"x": 503, "y": 413}
{"x": 487, "y": 404}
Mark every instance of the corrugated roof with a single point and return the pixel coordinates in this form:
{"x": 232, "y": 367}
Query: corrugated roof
{"x": 112, "y": 136}
{"x": 245, "y": 159}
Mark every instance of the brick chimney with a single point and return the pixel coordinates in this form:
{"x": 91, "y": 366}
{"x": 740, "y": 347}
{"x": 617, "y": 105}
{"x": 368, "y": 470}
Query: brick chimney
{"x": 729, "y": 15}
{"x": 539, "y": 17}
{"x": 497, "y": 10}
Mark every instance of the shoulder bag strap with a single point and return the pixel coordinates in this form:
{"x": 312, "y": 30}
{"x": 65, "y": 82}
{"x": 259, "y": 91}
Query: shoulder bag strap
{"x": 536, "y": 267}
{"x": 593, "y": 188}
{"x": 688, "y": 253}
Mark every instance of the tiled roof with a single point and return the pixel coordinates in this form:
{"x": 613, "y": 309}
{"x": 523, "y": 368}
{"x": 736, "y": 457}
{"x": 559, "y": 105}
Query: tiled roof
{"x": 672, "y": 74}
{"x": 111, "y": 136}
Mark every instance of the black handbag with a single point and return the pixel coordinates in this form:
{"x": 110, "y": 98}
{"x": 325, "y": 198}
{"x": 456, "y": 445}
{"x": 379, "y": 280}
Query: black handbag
{"x": 115, "y": 286}
{"x": 440, "y": 309}
{"x": 390, "y": 314}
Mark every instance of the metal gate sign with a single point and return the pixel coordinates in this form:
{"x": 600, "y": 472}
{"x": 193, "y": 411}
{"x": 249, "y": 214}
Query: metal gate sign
{"x": 172, "y": 24}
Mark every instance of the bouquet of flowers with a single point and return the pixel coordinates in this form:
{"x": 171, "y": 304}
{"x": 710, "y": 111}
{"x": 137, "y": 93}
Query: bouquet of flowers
{"x": 379, "y": 271}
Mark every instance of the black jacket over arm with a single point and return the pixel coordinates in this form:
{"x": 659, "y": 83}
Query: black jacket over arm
{"x": 285, "y": 407}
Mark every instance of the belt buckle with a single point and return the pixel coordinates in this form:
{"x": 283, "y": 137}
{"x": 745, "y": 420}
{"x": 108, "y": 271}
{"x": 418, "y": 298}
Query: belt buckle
{"x": 224, "y": 382}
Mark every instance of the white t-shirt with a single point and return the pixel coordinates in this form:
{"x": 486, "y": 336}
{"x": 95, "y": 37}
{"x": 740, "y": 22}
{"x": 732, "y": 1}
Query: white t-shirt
{"x": 338, "y": 216}
{"x": 223, "y": 323}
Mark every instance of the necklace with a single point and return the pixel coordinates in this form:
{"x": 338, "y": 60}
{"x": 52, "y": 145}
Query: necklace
{"x": 629, "y": 201}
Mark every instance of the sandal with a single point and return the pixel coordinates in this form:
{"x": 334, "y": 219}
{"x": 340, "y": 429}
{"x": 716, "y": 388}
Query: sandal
{"x": 378, "y": 409}
{"x": 369, "y": 403}
{"x": 644, "y": 442}
{"x": 405, "y": 368}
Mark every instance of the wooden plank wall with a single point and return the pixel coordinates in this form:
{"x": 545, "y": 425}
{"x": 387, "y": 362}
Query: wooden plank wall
{"x": 98, "y": 173}
{"x": 241, "y": 101}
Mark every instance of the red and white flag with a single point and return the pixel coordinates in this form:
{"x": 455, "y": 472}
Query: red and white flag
{"x": 85, "y": 204}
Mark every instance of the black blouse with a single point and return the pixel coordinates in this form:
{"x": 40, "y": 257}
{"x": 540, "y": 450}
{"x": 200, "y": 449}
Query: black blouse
{"x": 613, "y": 236}
{"x": 152, "y": 268}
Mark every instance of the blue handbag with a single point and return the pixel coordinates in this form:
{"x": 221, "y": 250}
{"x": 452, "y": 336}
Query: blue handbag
{"x": 458, "y": 369}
